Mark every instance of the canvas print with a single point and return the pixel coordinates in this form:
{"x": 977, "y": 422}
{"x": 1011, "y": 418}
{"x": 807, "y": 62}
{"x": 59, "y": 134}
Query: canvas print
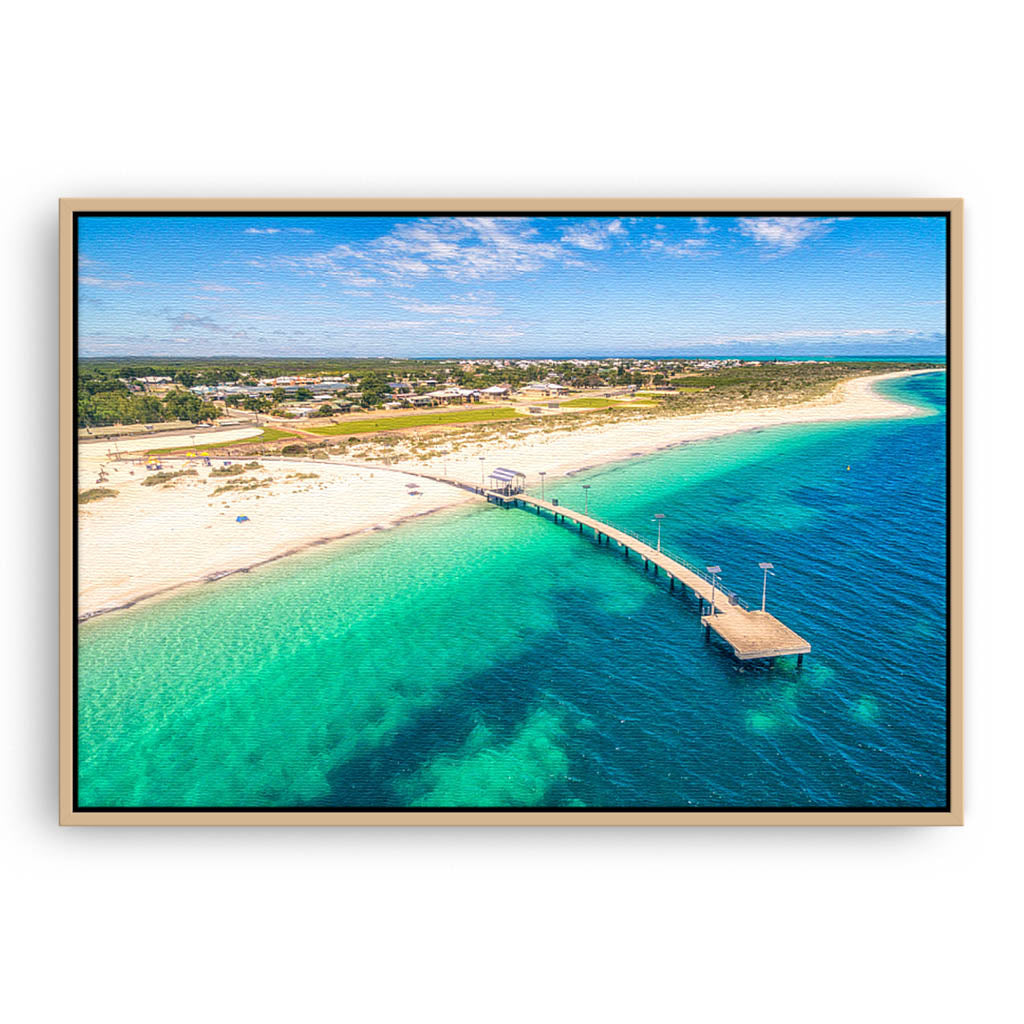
{"x": 394, "y": 511}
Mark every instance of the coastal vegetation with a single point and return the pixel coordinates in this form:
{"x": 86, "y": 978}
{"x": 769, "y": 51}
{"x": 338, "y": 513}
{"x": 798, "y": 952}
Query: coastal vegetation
{"x": 245, "y": 483}
{"x": 167, "y": 477}
{"x": 104, "y": 399}
{"x": 95, "y": 494}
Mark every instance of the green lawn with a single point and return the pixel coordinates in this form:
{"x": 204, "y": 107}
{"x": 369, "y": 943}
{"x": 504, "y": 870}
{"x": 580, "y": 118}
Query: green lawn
{"x": 427, "y": 419}
{"x": 269, "y": 434}
{"x": 600, "y": 403}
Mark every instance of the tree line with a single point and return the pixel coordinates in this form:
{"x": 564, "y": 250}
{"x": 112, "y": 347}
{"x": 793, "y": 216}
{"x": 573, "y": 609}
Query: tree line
{"x": 103, "y": 401}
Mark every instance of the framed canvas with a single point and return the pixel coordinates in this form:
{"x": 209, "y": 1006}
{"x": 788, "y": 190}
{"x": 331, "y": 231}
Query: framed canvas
{"x": 511, "y": 511}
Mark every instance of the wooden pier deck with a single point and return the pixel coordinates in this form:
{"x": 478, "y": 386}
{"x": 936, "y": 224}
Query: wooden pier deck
{"x": 750, "y": 634}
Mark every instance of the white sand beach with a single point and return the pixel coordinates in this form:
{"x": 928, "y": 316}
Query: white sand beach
{"x": 150, "y": 540}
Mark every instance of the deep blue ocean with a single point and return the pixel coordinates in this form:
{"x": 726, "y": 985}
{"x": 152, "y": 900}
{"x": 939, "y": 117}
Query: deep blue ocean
{"x": 486, "y": 657}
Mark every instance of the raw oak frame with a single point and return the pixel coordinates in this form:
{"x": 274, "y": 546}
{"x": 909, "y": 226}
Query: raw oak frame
{"x": 952, "y": 815}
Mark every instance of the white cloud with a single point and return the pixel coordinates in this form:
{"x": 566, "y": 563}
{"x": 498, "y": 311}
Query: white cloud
{"x": 779, "y": 235}
{"x": 693, "y": 248}
{"x": 106, "y": 282}
{"x": 594, "y": 235}
{"x": 457, "y": 248}
{"x": 472, "y": 307}
{"x": 262, "y": 231}
{"x": 828, "y": 332}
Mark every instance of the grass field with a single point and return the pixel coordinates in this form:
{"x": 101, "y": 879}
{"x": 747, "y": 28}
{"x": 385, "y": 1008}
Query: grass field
{"x": 269, "y": 434}
{"x": 431, "y": 419}
{"x": 601, "y": 403}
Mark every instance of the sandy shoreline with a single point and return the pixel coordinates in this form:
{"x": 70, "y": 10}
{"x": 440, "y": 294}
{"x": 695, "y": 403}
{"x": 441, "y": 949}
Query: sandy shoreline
{"x": 149, "y": 541}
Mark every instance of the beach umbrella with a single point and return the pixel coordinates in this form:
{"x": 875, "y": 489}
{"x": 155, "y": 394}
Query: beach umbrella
{"x": 241, "y": 519}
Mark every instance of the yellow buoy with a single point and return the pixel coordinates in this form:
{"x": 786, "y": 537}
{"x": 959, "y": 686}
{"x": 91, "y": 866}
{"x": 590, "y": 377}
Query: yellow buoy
{"x": 847, "y": 469}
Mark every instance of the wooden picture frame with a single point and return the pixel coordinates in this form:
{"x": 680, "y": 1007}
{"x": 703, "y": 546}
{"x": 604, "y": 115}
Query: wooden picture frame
{"x": 949, "y": 814}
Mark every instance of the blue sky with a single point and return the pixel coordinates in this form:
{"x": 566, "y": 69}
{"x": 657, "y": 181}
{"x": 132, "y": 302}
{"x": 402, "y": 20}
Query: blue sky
{"x": 495, "y": 286}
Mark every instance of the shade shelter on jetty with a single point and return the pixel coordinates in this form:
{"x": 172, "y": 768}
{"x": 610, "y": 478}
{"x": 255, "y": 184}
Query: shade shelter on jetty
{"x": 507, "y": 481}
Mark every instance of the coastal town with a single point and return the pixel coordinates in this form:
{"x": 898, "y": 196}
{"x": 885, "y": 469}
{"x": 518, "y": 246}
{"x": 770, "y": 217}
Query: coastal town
{"x": 114, "y": 393}
{"x": 332, "y": 387}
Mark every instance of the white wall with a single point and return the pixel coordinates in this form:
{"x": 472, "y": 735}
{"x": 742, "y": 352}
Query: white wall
{"x": 595, "y": 99}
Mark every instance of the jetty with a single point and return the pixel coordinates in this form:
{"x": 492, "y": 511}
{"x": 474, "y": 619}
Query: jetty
{"x": 749, "y": 633}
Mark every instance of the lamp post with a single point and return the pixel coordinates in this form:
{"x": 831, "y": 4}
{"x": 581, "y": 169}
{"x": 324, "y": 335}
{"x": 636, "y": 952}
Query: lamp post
{"x": 543, "y": 473}
{"x": 767, "y": 566}
{"x": 658, "y": 516}
{"x": 481, "y": 471}
{"x": 714, "y": 570}
{"x": 586, "y": 496}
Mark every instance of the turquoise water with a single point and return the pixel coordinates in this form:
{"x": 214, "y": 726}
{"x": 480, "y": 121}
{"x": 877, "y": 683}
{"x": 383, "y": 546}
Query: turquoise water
{"x": 485, "y": 657}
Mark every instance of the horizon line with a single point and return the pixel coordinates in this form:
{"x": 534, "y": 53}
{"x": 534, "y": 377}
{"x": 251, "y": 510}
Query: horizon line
{"x": 521, "y": 356}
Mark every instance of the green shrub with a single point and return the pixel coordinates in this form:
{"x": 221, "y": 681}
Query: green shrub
{"x": 95, "y": 494}
{"x": 164, "y": 476}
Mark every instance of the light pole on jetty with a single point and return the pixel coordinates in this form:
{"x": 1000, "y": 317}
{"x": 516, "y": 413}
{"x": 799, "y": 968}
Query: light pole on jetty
{"x": 767, "y": 566}
{"x": 658, "y": 516}
{"x": 481, "y": 471}
{"x": 586, "y": 496}
{"x": 542, "y": 474}
{"x": 714, "y": 570}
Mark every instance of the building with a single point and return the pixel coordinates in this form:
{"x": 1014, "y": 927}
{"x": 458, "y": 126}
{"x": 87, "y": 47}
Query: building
{"x": 449, "y": 395}
{"x": 150, "y": 383}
